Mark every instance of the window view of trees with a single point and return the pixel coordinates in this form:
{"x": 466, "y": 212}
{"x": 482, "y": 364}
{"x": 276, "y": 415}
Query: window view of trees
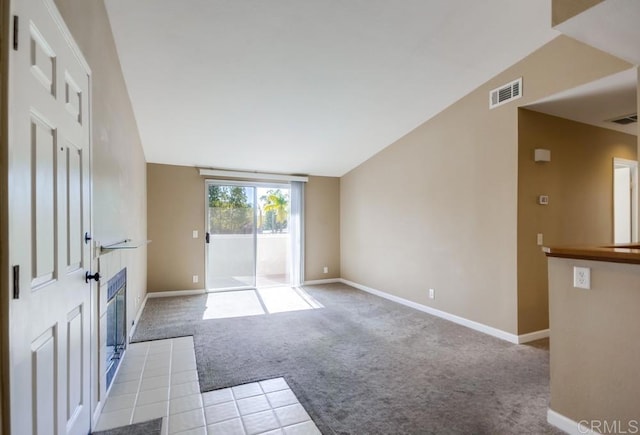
{"x": 231, "y": 210}
{"x": 274, "y": 211}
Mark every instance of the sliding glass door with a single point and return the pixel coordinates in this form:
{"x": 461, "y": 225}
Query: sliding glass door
{"x": 249, "y": 240}
{"x": 231, "y": 236}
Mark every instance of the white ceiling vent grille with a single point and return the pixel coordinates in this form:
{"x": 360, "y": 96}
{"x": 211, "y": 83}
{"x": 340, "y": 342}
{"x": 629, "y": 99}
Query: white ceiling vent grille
{"x": 504, "y": 94}
{"x": 627, "y": 119}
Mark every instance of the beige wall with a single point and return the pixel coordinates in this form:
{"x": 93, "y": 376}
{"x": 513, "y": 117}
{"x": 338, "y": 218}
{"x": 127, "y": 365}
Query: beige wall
{"x": 438, "y": 208}
{"x": 579, "y": 182}
{"x": 176, "y": 207}
{"x": 322, "y": 228}
{"x": 595, "y": 348}
{"x": 562, "y": 10}
{"x": 118, "y": 163}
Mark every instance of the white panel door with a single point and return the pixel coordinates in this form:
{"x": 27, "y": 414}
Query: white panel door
{"x": 49, "y": 213}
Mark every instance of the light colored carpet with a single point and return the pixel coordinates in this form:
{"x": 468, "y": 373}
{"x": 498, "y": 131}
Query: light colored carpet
{"x": 366, "y": 365}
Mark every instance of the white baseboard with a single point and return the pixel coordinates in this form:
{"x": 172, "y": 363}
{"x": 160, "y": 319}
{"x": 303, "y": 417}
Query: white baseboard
{"x": 533, "y": 336}
{"x": 322, "y": 281}
{"x": 495, "y": 332}
{"x": 567, "y": 425}
{"x": 172, "y": 293}
{"x": 138, "y": 314}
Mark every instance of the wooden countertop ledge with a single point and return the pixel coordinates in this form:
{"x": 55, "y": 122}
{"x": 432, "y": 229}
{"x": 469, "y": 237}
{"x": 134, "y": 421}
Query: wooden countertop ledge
{"x": 628, "y": 253}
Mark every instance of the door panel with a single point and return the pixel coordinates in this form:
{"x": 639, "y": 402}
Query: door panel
{"x": 49, "y": 212}
{"x": 43, "y": 194}
{"x": 231, "y": 251}
{"x": 44, "y": 381}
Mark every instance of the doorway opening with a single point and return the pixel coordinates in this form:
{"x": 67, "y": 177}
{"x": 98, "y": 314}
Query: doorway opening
{"x": 625, "y": 201}
{"x": 249, "y": 242}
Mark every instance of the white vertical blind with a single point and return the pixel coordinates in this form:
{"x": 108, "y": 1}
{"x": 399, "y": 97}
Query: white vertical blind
{"x": 296, "y": 232}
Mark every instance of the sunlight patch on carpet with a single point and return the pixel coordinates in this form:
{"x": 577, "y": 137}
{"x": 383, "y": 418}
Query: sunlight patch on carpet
{"x": 271, "y": 300}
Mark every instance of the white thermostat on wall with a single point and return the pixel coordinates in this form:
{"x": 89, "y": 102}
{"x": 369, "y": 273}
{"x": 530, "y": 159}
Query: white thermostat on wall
{"x": 543, "y": 199}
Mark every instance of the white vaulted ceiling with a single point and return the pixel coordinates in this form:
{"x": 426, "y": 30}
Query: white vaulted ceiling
{"x": 307, "y": 86}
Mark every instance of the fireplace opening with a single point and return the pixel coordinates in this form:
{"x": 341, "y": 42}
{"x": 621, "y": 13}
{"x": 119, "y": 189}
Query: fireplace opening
{"x": 116, "y": 322}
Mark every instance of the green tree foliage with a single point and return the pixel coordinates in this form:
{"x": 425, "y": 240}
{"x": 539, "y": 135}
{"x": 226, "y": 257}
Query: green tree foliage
{"x": 230, "y": 211}
{"x": 276, "y": 208}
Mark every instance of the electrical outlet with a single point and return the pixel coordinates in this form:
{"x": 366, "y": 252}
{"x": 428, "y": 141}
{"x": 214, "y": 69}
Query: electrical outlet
{"x": 582, "y": 277}
{"x": 539, "y": 239}
{"x": 195, "y": 279}
{"x": 326, "y": 269}
{"x": 432, "y": 293}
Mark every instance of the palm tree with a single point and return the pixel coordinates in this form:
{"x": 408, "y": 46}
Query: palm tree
{"x": 278, "y": 203}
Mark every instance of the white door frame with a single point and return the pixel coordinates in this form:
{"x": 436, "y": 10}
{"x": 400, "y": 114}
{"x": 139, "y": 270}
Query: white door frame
{"x": 633, "y": 167}
{"x": 255, "y": 185}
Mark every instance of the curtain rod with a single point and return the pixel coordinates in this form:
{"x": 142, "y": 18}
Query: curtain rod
{"x": 252, "y": 175}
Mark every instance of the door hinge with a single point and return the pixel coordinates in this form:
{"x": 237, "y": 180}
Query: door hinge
{"x": 16, "y": 281}
{"x": 15, "y": 32}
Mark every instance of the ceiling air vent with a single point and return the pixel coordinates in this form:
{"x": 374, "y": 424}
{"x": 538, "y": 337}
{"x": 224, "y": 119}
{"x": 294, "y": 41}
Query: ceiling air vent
{"x": 627, "y": 119}
{"x": 506, "y": 93}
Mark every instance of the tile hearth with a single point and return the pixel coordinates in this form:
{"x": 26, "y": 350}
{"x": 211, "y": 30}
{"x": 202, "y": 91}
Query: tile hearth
{"x": 159, "y": 379}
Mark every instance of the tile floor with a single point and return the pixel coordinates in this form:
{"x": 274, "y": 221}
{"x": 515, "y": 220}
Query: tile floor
{"x": 159, "y": 379}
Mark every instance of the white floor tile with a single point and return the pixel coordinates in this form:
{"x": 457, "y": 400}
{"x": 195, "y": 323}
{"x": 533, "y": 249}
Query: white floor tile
{"x": 182, "y": 342}
{"x": 117, "y": 403}
{"x": 186, "y": 403}
{"x": 119, "y": 389}
{"x": 260, "y": 422}
{"x": 229, "y": 427}
{"x": 217, "y": 396}
{"x": 186, "y": 420}
{"x": 292, "y": 414}
{"x": 272, "y": 385}
{"x": 246, "y": 390}
{"x": 157, "y": 363}
{"x": 183, "y": 377}
{"x": 182, "y": 390}
{"x": 129, "y": 375}
{"x": 165, "y": 426}
{"x": 149, "y": 412}
{"x": 160, "y": 371}
{"x": 221, "y": 412}
{"x": 182, "y": 365}
{"x": 253, "y": 404}
{"x": 160, "y": 379}
{"x": 282, "y": 398}
{"x": 154, "y": 383}
{"x": 306, "y": 428}
{"x": 196, "y": 431}
{"x": 153, "y": 396}
{"x": 109, "y": 420}
{"x": 129, "y": 369}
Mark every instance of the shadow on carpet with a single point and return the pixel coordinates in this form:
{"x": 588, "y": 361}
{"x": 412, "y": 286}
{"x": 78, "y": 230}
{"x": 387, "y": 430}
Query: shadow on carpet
{"x": 367, "y": 365}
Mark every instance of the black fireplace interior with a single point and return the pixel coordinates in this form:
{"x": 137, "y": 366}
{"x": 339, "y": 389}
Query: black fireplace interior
{"x": 116, "y": 322}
